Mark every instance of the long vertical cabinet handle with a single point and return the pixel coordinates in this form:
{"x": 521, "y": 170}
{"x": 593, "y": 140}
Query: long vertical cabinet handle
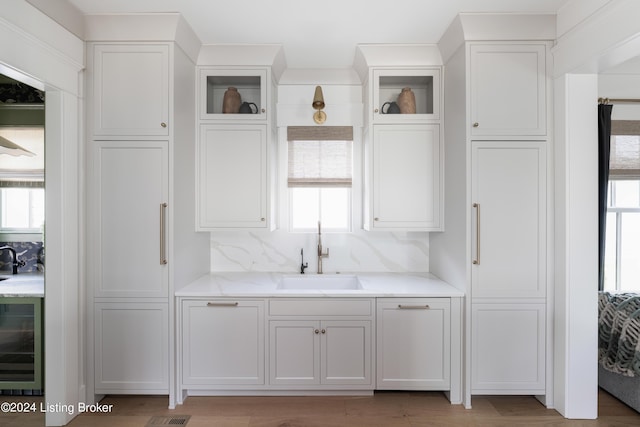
{"x": 163, "y": 233}
{"x": 477, "y": 208}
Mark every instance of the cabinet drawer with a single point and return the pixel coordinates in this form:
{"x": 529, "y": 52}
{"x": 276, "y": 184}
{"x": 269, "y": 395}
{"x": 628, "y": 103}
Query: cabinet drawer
{"x": 320, "y": 307}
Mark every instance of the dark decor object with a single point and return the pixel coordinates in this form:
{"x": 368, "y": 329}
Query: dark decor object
{"x": 391, "y": 109}
{"x": 246, "y": 108}
{"x": 18, "y": 93}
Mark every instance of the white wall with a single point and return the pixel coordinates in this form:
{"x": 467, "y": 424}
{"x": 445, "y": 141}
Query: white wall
{"x": 576, "y": 242}
{"x": 595, "y": 36}
{"x": 279, "y": 251}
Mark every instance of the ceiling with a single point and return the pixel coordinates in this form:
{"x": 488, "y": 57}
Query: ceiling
{"x": 318, "y": 34}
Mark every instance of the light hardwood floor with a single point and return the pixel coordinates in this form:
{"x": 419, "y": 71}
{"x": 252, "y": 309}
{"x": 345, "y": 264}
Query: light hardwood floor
{"x": 383, "y": 409}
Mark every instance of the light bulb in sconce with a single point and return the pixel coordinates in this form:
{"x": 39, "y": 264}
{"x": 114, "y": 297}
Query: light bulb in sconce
{"x": 318, "y": 103}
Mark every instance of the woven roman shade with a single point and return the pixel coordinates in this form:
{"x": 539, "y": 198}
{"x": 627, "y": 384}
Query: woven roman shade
{"x": 21, "y": 184}
{"x": 320, "y": 156}
{"x": 624, "y": 162}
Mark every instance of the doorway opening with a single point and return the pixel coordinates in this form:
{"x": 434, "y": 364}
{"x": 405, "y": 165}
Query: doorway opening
{"x": 22, "y": 256}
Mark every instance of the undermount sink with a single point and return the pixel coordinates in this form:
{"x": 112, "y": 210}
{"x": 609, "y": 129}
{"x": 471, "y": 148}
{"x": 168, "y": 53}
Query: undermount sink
{"x": 320, "y": 282}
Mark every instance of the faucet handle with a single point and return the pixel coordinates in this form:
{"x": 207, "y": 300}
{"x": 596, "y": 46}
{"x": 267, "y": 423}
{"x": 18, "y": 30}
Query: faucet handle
{"x": 303, "y": 265}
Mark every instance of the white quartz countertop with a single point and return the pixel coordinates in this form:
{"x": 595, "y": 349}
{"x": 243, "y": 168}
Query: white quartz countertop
{"x": 266, "y": 285}
{"x": 22, "y": 285}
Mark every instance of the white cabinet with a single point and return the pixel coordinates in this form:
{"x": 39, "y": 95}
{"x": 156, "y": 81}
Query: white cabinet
{"x": 130, "y": 89}
{"x": 307, "y": 352}
{"x": 403, "y": 152}
{"x": 317, "y": 343}
{"x": 508, "y": 275}
{"x": 508, "y": 89}
{"x": 223, "y": 343}
{"x": 509, "y": 195}
{"x": 405, "y": 178}
{"x": 131, "y": 334}
{"x": 414, "y": 344}
{"x": 235, "y": 179}
{"x": 232, "y": 177}
{"x": 131, "y": 348}
{"x": 131, "y": 190}
{"x": 140, "y": 206}
{"x": 498, "y": 211}
{"x": 508, "y": 348}
{"x": 388, "y": 83}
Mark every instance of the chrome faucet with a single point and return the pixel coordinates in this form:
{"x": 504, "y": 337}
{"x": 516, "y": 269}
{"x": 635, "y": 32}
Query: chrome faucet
{"x": 320, "y": 253}
{"x": 15, "y": 262}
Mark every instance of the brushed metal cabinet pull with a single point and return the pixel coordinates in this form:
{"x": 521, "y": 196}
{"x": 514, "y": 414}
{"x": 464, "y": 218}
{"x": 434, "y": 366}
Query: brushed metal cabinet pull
{"x": 413, "y": 307}
{"x": 163, "y": 234}
{"x": 222, "y": 304}
{"x": 477, "y": 260}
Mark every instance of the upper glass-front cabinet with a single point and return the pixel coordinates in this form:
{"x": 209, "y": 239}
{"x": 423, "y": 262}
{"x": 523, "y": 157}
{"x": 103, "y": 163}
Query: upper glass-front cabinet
{"x": 233, "y": 94}
{"x": 394, "y": 92}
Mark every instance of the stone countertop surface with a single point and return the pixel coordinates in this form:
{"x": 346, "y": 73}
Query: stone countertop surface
{"x": 266, "y": 285}
{"x": 22, "y": 284}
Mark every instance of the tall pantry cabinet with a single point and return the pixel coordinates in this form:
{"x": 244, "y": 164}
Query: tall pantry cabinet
{"x": 141, "y": 145}
{"x": 497, "y": 201}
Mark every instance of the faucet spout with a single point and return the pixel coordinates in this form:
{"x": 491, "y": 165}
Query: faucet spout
{"x": 14, "y": 259}
{"x": 321, "y": 254}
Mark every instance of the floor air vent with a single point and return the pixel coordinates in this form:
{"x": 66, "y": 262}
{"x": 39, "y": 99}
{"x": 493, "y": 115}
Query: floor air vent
{"x": 176, "y": 420}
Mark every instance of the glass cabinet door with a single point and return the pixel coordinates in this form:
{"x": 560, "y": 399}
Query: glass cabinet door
{"x": 423, "y": 86}
{"x": 249, "y": 87}
{"x": 20, "y": 343}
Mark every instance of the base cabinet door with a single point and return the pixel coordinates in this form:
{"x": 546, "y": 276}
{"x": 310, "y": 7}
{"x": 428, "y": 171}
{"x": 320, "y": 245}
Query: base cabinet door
{"x": 508, "y": 349}
{"x": 346, "y": 352}
{"x": 223, "y": 342}
{"x": 294, "y": 352}
{"x": 131, "y": 348}
{"x": 413, "y": 341}
{"x": 309, "y": 352}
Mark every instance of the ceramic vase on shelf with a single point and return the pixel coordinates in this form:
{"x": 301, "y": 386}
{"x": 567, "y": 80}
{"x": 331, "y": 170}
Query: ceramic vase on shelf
{"x": 407, "y": 101}
{"x": 231, "y": 101}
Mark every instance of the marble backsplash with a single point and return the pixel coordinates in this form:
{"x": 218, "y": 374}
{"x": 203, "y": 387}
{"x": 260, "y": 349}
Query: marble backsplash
{"x": 26, "y": 251}
{"x": 360, "y": 251}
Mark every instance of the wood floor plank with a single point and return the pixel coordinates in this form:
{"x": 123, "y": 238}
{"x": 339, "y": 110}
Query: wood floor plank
{"x": 383, "y": 409}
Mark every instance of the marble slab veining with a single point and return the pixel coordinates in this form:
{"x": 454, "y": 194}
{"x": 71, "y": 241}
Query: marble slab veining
{"x": 22, "y": 285}
{"x": 265, "y": 285}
